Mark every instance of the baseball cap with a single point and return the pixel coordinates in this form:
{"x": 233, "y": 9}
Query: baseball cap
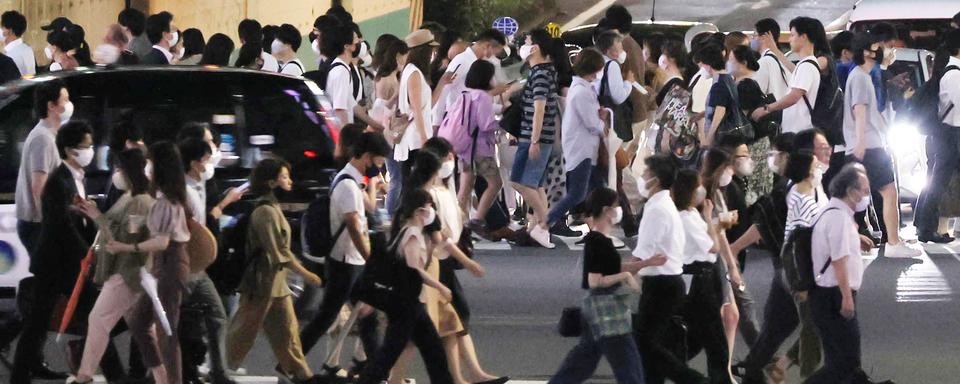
{"x": 59, "y": 23}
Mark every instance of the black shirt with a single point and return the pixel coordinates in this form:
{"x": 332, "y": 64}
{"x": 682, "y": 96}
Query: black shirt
{"x": 723, "y": 94}
{"x": 599, "y": 256}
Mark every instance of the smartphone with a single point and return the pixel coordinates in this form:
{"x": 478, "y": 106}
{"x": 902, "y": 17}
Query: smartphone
{"x": 244, "y": 187}
{"x": 457, "y": 67}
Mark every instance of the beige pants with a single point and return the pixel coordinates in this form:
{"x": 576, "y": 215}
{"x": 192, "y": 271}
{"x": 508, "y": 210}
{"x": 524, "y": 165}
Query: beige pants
{"x": 279, "y": 322}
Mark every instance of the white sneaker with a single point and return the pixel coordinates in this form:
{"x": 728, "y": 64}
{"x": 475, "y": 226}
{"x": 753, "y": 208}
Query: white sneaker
{"x": 237, "y": 372}
{"x": 541, "y": 236}
{"x": 901, "y": 251}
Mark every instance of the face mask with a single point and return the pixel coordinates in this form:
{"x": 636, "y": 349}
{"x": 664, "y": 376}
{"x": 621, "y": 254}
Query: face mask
{"x": 216, "y": 157}
{"x": 3, "y": 34}
{"x": 622, "y": 57}
{"x": 106, "y": 54}
{"x": 431, "y": 216}
{"x": 175, "y": 38}
{"x": 617, "y": 215}
{"x": 643, "y": 184}
{"x": 755, "y": 44}
{"x": 120, "y": 182}
{"x": 365, "y": 56}
{"x": 446, "y": 170}
{"x": 726, "y": 178}
{"x": 208, "y": 171}
{"x": 84, "y": 156}
{"x": 67, "y": 112}
{"x": 663, "y": 63}
{"x": 276, "y": 46}
{"x": 863, "y": 203}
{"x": 525, "y": 51}
{"x": 817, "y": 176}
{"x": 48, "y": 52}
{"x": 731, "y": 67}
{"x": 148, "y": 170}
{"x": 180, "y": 53}
{"x": 745, "y": 167}
{"x": 772, "y": 163}
{"x": 701, "y": 195}
{"x": 315, "y": 46}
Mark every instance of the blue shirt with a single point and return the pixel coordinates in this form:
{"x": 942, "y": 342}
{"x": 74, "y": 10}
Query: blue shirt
{"x": 843, "y": 70}
{"x": 877, "y": 75}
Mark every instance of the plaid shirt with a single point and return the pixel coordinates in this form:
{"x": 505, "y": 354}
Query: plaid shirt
{"x": 608, "y": 314}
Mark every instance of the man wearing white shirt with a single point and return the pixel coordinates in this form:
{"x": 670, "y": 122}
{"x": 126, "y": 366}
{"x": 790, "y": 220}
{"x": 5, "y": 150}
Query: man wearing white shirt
{"x": 661, "y": 233}
{"x": 341, "y": 43}
{"x": 251, "y": 30}
{"x": 13, "y": 25}
{"x": 610, "y": 43}
{"x": 773, "y": 76}
{"x": 798, "y": 103}
{"x": 488, "y": 45}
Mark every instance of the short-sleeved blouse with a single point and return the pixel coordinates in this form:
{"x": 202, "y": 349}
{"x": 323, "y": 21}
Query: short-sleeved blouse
{"x": 416, "y": 233}
{"x": 168, "y": 218}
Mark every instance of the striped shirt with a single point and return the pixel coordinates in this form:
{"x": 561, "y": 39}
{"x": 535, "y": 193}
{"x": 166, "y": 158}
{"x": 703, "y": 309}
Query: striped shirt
{"x": 802, "y": 210}
{"x": 541, "y": 85}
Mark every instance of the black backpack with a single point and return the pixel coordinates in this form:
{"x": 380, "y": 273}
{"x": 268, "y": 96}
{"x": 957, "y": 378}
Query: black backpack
{"x": 318, "y": 237}
{"x": 233, "y": 260}
{"x": 924, "y": 108}
{"x": 797, "y": 257}
{"x": 622, "y": 113}
{"x": 320, "y": 75}
{"x": 512, "y": 118}
{"x": 387, "y": 283}
{"x": 826, "y": 113}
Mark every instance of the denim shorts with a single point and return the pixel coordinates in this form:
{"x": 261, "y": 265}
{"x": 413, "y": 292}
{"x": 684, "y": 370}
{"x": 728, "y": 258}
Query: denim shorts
{"x": 529, "y": 171}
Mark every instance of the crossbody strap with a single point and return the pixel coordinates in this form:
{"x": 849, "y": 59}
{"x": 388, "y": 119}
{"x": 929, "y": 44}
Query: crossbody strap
{"x": 343, "y": 225}
{"x": 826, "y": 264}
{"x": 805, "y": 99}
{"x": 783, "y": 74}
{"x": 950, "y": 107}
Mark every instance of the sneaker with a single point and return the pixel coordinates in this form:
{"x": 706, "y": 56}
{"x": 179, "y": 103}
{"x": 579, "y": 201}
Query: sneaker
{"x": 561, "y": 229}
{"x": 541, "y": 236}
{"x": 477, "y": 226}
{"x": 901, "y": 251}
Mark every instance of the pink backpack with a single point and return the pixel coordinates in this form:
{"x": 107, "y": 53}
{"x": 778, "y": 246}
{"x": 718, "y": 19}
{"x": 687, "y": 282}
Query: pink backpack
{"x": 454, "y": 127}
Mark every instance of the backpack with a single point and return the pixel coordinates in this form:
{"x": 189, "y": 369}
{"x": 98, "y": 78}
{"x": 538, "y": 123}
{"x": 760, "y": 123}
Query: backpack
{"x": 797, "y": 257}
{"x": 320, "y": 75}
{"x": 826, "y": 113}
{"x": 228, "y": 269}
{"x": 622, "y": 113}
{"x": 512, "y": 118}
{"x": 317, "y": 235}
{"x": 924, "y": 108}
{"x": 387, "y": 283}
{"x": 455, "y": 126}
{"x": 674, "y": 117}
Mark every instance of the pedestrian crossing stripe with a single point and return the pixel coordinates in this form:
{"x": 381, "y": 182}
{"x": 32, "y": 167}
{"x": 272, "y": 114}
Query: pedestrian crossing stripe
{"x": 271, "y": 380}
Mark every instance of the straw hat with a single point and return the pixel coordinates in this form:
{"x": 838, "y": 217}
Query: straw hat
{"x": 420, "y": 37}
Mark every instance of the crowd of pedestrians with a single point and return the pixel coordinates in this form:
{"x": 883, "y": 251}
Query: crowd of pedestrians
{"x": 700, "y": 149}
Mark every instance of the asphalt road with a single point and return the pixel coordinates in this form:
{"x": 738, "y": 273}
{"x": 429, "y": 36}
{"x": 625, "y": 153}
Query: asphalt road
{"x": 908, "y": 315}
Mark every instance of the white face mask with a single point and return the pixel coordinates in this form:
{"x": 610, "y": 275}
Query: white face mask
{"x": 148, "y": 170}
{"x": 726, "y": 178}
{"x": 216, "y": 157}
{"x": 772, "y": 163}
{"x": 83, "y": 156}
{"x": 745, "y": 167}
{"x": 701, "y": 195}
{"x": 175, "y": 38}
{"x": 817, "y": 176}
{"x": 208, "y": 170}
{"x": 48, "y": 52}
{"x": 622, "y": 57}
{"x": 446, "y": 170}
{"x": 863, "y": 203}
{"x": 180, "y": 53}
{"x": 106, "y": 54}
{"x": 663, "y": 63}
{"x": 364, "y": 55}
{"x": 431, "y": 216}
{"x": 67, "y": 112}
{"x": 525, "y": 51}
{"x": 731, "y": 67}
{"x": 315, "y": 46}
{"x": 644, "y": 187}
{"x": 617, "y": 215}
{"x": 120, "y": 182}
{"x": 276, "y": 47}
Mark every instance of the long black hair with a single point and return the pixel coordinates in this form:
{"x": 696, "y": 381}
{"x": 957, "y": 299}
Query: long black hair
{"x": 410, "y": 202}
{"x": 131, "y": 162}
{"x": 168, "y": 175}
{"x": 425, "y": 167}
{"x": 217, "y": 51}
{"x": 263, "y": 173}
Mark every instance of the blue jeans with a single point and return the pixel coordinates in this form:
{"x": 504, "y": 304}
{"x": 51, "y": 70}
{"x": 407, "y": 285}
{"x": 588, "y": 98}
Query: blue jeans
{"x": 396, "y": 183}
{"x": 620, "y": 351}
{"x": 528, "y": 171}
{"x": 580, "y": 181}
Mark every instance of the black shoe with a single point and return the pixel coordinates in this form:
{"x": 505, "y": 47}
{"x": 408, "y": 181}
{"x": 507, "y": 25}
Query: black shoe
{"x": 354, "y": 373}
{"x": 561, "y": 229}
{"x": 43, "y": 372}
{"x": 935, "y": 238}
{"x": 499, "y": 380}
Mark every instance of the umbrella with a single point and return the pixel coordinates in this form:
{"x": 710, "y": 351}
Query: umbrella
{"x": 77, "y": 288}
{"x": 149, "y": 284}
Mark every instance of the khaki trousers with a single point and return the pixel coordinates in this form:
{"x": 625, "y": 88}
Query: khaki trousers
{"x": 279, "y": 322}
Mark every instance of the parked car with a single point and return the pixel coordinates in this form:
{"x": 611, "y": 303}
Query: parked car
{"x": 254, "y": 114}
{"x": 925, "y": 22}
{"x": 582, "y": 36}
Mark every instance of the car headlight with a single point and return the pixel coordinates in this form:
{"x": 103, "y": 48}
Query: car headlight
{"x": 907, "y": 146}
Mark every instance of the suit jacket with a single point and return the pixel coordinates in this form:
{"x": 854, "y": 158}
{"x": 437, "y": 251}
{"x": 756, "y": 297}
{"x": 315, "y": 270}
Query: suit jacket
{"x": 8, "y": 69}
{"x": 155, "y": 57}
{"x": 65, "y": 235}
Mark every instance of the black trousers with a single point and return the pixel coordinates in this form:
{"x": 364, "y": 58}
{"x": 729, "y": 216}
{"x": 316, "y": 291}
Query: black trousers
{"x": 944, "y": 165}
{"x": 657, "y": 335}
{"x": 701, "y": 312}
{"x": 780, "y": 321}
{"x": 340, "y": 278}
{"x": 411, "y": 325}
{"x": 840, "y": 337}
{"x": 203, "y": 315}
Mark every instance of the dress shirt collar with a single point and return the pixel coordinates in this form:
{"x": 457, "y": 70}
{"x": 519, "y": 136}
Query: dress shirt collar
{"x": 14, "y": 44}
{"x": 165, "y": 52}
{"x": 77, "y": 173}
{"x": 953, "y": 61}
{"x": 353, "y": 172}
{"x": 659, "y": 198}
{"x": 840, "y": 204}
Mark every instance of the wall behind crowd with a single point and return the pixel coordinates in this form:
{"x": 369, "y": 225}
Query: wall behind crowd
{"x": 375, "y": 17}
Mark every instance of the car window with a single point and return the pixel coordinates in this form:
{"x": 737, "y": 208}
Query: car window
{"x": 16, "y": 121}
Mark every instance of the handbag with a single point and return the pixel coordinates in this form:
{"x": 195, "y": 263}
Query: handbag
{"x": 571, "y": 321}
{"x": 512, "y": 117}
{"x": 387, "y": 282}
{"x": 739, "y": 129}
{"x": 607, "y": 312}
{"x": 399, "y": 123}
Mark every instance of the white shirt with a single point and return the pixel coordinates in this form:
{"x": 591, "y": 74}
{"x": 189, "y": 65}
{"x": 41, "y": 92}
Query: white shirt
{"x": 950, "y": 93}
{"x": 197, "y": 197}
{"x": 700, "y": 91}
{"x": 697, "y": 237}
{"x": 78, "y": 180}
{"x": 835, "y": 237}
{"x": 340, "y": 88}
{"x": 661, "y": 232}
{"x": 411, "y": 139}
{"x": 772, "y": 75}
{"x": 619, "y": 88}
{"x": 22, "y": 55}
{"x": 347, "y": 198}
{"x": 806, "y": 76}
{"x": 293, "y": 67}
{"x": 581, "y": 126}
{"x": 460, "y": 65}
{"x": 270, "y": 63}
{"x": 165, "y": 52}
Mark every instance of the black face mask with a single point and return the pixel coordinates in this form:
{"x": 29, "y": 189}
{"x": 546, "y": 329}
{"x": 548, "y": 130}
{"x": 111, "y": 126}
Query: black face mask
{"x": 356, "y": 50}
{"x": 878, "y": 55}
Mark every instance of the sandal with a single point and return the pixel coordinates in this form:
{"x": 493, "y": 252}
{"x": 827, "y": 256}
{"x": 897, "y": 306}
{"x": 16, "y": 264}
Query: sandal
{"x": 774, "y": 373}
